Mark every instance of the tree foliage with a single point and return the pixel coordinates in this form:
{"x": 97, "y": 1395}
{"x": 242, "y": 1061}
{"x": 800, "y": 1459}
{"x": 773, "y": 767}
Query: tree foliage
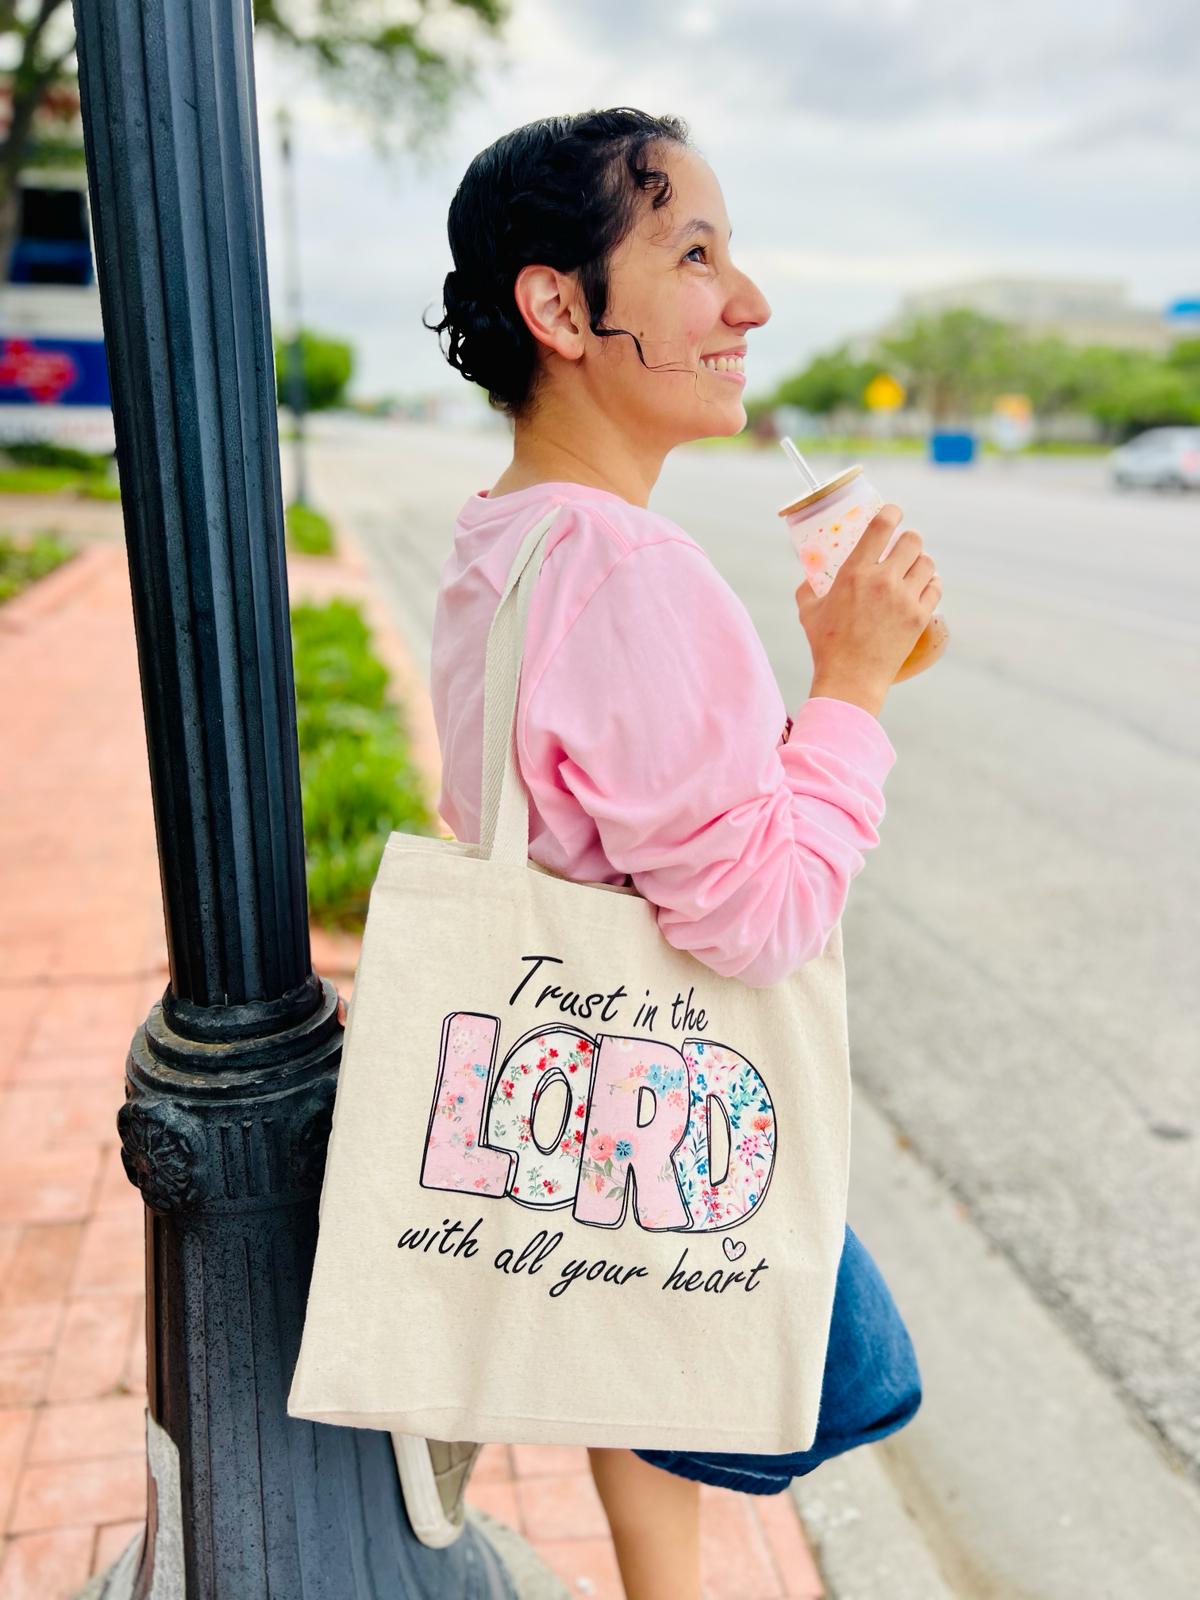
{"x": 829, "y": 381}
{"x": 954, "y": 366}
{"x": 392, "y": 61}
{"x": 326, "y": 364}
{"x": 948, "y": 362}
{"x": 388, "y": 61}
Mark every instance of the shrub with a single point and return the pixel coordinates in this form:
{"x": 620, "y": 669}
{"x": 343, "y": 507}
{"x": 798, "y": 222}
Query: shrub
{"x": 358, "y": 783}
{"x": 24, "y": 563}
{"x": 39, "y": 466}
{"x": 308, "y": 532}
{"x": 99, "y": 489}
{"x": 45, "y": 453}
{"x": 340, "y": 686}
{"x": 356, "y": 791}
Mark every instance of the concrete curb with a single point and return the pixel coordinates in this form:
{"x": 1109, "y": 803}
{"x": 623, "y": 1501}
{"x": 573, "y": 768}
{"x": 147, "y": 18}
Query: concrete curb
{"x": 866, "y": 1543}
{"x": 1023, "y": 1476}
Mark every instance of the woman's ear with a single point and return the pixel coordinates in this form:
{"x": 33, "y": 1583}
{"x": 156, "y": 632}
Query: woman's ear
{"x": 548, "y": 301}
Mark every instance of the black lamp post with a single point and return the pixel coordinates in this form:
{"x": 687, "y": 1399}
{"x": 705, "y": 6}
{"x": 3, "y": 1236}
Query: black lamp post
{"x": 230, "y": 1079}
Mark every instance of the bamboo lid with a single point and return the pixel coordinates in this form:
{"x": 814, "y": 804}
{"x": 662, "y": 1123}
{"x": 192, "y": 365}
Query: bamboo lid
{"x": 820, "y": 491}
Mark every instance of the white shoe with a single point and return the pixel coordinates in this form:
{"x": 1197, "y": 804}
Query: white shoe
{"x": 433, "y": 1479}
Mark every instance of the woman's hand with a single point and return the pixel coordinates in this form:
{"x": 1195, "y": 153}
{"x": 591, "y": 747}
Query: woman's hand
{"x": 862, "y": 631}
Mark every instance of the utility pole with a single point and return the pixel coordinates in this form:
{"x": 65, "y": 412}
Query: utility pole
{"x": 296, "y": 388}
{"x": 230, "y": 1080}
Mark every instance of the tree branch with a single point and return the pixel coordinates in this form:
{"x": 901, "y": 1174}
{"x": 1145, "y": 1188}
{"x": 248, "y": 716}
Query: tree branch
{"x": 29, "y": 83}
{"x": 33, "y": 36}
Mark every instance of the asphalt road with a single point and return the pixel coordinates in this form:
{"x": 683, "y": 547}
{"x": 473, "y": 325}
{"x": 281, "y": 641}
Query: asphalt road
{"x": 1022, "y": 947}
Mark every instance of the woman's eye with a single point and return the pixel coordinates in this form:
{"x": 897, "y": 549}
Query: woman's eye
{"x": 703, "y": 248}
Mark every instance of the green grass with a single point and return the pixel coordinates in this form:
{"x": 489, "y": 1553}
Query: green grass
{"x": 309, "y": 533}
{"x": 37, "y": 480}
{"x": 1059, "y": 447}
{"x": 45, "y": 453}
{"x": 25, "y": 561}
{"x": 725, "y": 441}
{"x": 357, "y": 778}
{"x": 831, "y": 444}
{"x": 36, "y": 466}
{"x": 861, "y": 443}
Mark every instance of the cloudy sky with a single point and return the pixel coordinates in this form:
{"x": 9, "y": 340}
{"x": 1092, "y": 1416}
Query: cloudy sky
{"x": 864, "y": 148}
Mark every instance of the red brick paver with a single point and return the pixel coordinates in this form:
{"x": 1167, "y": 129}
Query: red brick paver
{"x": 752, "y": 1546}
{"x": 82, "y": 959}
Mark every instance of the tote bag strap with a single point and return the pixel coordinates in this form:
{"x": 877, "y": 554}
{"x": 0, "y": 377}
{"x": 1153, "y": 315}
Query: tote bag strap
{"x": 504, "y": 813}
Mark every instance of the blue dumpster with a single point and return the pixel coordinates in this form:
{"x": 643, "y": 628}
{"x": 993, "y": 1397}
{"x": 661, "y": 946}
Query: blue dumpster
{"x": 952, "y": 449}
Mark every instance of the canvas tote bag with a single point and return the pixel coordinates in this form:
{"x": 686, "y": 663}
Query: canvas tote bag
{"x": 580, "y": 1189}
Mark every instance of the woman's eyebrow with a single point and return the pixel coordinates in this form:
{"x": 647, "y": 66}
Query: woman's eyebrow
{"x": 693, "y": 225}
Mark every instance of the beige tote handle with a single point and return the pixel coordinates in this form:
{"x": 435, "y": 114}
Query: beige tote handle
{"x": 504, "y": 812}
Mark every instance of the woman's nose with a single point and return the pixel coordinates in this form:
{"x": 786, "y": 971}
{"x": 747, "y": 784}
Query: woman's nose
{"x": 749, "y": 305}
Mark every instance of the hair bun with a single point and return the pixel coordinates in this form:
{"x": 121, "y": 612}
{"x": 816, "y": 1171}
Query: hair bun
{"x": 487, "y": 335}
{"x": 460, "y": 288}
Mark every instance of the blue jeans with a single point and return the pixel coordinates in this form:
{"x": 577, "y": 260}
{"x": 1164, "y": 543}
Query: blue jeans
{"x": 871, "y": 1387}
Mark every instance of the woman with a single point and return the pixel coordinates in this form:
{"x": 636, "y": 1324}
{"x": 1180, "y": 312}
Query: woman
{"x": 595, "y": 298}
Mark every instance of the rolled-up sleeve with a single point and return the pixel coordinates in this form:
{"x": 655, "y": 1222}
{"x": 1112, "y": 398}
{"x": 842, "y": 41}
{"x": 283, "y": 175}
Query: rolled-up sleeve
{"x": 668, "y": 723}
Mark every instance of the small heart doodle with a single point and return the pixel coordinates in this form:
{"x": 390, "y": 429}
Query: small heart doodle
{"x": 734, "y": 1249}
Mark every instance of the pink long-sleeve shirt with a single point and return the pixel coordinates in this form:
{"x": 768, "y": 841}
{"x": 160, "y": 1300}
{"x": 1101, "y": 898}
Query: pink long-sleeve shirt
{"x": 651, "y": 733}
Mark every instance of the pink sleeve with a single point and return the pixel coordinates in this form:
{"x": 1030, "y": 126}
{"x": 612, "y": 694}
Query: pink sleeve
{"x": 665, "y": 709}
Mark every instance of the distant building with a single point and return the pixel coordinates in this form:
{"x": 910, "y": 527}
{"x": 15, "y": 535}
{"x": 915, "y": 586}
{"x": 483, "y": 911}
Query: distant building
{"x": 53, "y": 373}
{"x": 1080, "y": 311}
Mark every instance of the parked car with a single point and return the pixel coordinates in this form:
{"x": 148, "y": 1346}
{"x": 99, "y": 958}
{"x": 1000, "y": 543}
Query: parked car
{"x": 1160, "y": 458}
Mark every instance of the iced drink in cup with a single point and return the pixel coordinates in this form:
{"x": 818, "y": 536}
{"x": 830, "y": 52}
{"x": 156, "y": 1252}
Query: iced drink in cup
{"x": 826, "y": 521}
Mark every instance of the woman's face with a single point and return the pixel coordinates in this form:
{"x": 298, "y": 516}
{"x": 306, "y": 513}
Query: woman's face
{"x": 672, "y": 282}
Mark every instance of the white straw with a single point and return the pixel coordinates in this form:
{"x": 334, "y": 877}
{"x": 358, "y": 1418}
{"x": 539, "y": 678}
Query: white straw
{"x": 802, "y": 466}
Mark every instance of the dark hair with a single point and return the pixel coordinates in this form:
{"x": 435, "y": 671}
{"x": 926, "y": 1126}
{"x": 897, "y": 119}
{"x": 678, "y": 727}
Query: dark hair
{"x": 561, "y": 192}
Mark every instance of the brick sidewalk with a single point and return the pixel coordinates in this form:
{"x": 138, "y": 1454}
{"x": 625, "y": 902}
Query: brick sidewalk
{"x": 82, "y": 959}
{"x": 81, "y": 962}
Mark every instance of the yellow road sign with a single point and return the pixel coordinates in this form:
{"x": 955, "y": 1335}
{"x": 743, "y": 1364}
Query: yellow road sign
{"x": 883, "y": 393}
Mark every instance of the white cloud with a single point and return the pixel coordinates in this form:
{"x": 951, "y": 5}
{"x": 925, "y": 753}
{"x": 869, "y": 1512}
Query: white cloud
{"x": 865, "y": 148}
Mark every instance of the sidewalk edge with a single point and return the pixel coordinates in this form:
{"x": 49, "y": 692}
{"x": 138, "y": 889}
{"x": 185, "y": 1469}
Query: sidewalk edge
{"x": 57, "y": 588}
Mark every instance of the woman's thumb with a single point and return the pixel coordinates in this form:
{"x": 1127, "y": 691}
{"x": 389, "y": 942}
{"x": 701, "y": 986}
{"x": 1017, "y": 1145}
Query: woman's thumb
{"x": 806, "y": 599}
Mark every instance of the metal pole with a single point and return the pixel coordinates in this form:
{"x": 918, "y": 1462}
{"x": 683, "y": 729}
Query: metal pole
{"x": 230, "y": 1080}
{"x": 297, "y": 395}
